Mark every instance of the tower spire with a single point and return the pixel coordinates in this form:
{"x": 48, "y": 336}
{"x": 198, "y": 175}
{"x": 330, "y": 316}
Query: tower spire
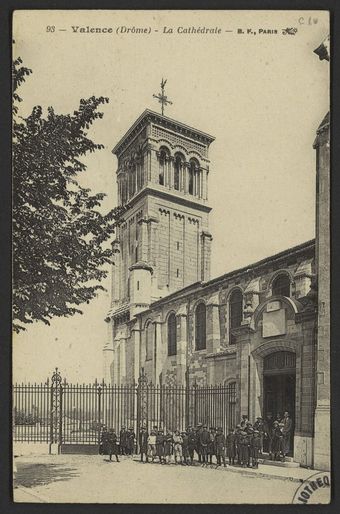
{"x": 162, "y": 98}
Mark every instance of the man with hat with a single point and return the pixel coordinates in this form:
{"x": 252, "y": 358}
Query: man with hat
{"x": 192, "y": 443}
{"x": 244, "y": 421}
{"x": 185, "y": 447}
{"x": 267, "y": 432}
{"x": 243, "y": 442}
{"x": 204, "y": 439}
{"x": 212, "y": 444}
{"x": 249, "y": 436}
{"x": 123, "y": 440}
{"x": 113, "y": 445}
{"x": 143, "y": 444}
{"x": 231, "y": 446}
{"x": 259, "y": 425}
{"x": 238, "y": 443}
{"x": 276, "y": 441}
{"x": 130, "y": 444}
{"x": 160, "y": 439}
{"x": 255, "y": 448}
{"x": 220, "y": 443}
{"x": 286, "y": 433}
{"x": 199, "y": 429}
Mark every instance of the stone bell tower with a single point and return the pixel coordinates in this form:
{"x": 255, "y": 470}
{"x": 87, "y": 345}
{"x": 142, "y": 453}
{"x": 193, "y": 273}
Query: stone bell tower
{"x": 162, "y": 242}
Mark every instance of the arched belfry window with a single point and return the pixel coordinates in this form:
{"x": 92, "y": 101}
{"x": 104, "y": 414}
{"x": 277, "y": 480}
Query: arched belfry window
{"x": 177, "y": 171}
{"x": 193, "y": 167}
{"x": 235, "y": 313}
{"x": 200, "y": 326}
{"x": 172, "y": 336}
{"x": 281, "y": 285}
{"x": 163, "y": 159}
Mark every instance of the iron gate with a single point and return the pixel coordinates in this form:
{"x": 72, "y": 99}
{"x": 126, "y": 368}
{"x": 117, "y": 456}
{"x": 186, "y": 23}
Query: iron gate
{"x": 66, "y": 414}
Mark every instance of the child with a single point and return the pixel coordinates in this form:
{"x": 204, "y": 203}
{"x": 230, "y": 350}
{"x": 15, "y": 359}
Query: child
{"x": 238, "y": 443}
{"x": 220, "y": 446}
{"x": 244, "y": 454}
{"x": 160, "y": 446}
{"x": 103, "y": 441}
{"x": 113, "y": 445}
{"x": 143, "y": 444}
{"x": 231, "y": 446}
{"x": 168, "y": 447}
{"x": 177, "y": 446}
{"x": 192, "y": 443}
{"x": 152, "y": 445}
{"x": 256, "y": 448}
{"x": 185, "y": 447}
{"x": 276, "y": 440}
{"x": 130, "y": 441}
{"x": 250, "y": 434}
{"x": 211, "y": 445}
{"x": 204, "y": 440}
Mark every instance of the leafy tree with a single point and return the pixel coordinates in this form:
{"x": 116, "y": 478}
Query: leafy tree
{"x": 60, "y": 237}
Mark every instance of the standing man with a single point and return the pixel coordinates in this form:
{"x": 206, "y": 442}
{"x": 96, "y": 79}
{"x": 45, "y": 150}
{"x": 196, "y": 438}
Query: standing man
{"x": 204, "y": 439}
{"x": 220, "y": 446}
{"x": 238, "y": 443}
{"x": 286, "y": 433}
{"x": 268, "y": 433}
{"x": 199, "y": 429}
{"x": 192, "y": 443}
{"x": 130, "y": 441}
{"x": 123, "y": 440}
{"x": 113, "y": 445}
{"x": 143, "y": 444}
{"x": 212, "y": 444}
{"x": 244, "y": 421}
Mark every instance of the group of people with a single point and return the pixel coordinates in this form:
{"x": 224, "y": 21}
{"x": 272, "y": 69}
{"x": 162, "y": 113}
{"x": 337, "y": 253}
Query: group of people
{"x": 112, "y": 444}
{"x": 243, "y": 445}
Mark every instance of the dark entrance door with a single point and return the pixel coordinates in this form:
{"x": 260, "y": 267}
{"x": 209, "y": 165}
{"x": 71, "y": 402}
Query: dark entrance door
{"x": 279, "y": 394}
{"x": 279, "y": 386}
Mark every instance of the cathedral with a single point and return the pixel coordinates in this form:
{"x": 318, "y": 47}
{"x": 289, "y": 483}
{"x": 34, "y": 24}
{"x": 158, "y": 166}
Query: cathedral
{"x": 253, "y": 329}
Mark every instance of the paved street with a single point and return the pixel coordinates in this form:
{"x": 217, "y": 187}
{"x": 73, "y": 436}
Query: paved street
{"x": 90, "y": 478}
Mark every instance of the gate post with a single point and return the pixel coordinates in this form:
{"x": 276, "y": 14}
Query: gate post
{"x": 99, "y": 393}
{"x": 142, "y": 402}
{"x": 60, "y": 428}
{"x": 56, "y": 413}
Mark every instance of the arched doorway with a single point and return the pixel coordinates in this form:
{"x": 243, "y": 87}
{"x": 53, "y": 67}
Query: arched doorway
{"x": 279, "y": 372}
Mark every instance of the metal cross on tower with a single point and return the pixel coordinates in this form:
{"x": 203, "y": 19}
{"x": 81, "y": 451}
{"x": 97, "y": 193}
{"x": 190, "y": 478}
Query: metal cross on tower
{"x": 162, "y": 98}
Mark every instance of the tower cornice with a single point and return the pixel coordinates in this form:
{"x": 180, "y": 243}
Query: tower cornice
{"x": 148, "y": 117}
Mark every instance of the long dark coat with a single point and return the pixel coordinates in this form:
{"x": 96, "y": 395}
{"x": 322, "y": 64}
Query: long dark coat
{"x": 143, "y": 442}
{"x": 255, "y": 446}
{"x": 112, "y": 444}
{"x": 220, "y": 445}
{"x": 168, "y": 446}
{"x": 231, "y": 445}
{"x": 130, "y": 443}
{"x": 276, "y": 440}
{"x": 160, "y": 445}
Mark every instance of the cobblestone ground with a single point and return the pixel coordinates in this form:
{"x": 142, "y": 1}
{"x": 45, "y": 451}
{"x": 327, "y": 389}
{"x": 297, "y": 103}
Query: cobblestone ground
{"x": 91, "y": 479}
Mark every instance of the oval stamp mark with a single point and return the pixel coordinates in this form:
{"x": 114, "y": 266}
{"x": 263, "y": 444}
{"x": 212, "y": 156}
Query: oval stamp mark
{"x": 315, "y": 489}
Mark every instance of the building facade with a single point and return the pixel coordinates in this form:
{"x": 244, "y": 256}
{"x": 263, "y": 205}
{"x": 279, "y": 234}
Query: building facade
{"x": 262, "y": 330}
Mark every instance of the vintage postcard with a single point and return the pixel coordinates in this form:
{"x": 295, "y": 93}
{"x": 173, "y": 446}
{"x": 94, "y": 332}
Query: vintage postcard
{"x": 171, "y": 257}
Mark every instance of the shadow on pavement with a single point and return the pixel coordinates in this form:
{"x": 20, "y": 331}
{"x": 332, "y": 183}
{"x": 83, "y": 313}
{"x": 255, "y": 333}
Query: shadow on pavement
{"x": 31, "y": 475}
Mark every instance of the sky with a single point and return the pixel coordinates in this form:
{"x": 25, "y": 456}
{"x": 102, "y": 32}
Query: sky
{"x": 262, "y": 95}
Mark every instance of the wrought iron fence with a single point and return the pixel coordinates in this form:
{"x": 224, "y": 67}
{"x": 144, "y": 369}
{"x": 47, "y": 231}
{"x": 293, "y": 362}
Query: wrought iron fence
{"x": 62, "y": 413}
